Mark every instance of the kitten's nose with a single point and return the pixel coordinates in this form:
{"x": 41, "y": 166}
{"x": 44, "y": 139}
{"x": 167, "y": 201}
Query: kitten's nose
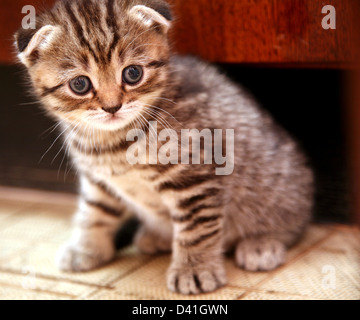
{"x": 112, "y": 110}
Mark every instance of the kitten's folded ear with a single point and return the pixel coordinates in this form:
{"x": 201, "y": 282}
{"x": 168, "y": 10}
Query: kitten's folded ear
{"x": 155, "y": 13}
{"x": 29, "y": 43}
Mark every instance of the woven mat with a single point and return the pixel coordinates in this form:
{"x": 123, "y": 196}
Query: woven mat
{"x": 324, "y": 265}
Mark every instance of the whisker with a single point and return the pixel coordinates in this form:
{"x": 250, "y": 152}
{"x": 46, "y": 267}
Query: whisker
{"x": 151, "y": 132}
{"x": 162, "y": 98}
{"x": 161, "y": 109}
{"x": 52, "y": 128}
{"x": 67, "y": 153}
{"x": 142, "y": 124}
{"x": 165, "y": 99}
{"x": 47, "y": 151}
{"x": 158, "y": 117}
{"x": 29, "y": 103}
{"x": 68, "y": 140}
{"x": 72, "y": 130}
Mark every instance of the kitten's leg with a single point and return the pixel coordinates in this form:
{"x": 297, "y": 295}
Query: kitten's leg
{"x": 151, "y": 242}
{"x": 197, "y": 262}
{"x": 260, "y": 254}
{"x": 98, "y": 218}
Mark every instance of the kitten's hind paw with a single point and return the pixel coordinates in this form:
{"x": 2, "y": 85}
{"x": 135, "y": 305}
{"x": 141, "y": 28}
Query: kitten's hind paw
{"x": 150, "y": 243}
{"x": 196, "y": 280}
{"x": 73, "y": 259}
{"x": 260, "y": 254}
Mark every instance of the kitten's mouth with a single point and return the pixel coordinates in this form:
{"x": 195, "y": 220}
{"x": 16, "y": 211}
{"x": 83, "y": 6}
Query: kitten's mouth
{"x": 112, "y": 118}
{"x": 110, "y": 122}
{"x": 107, "y": 121}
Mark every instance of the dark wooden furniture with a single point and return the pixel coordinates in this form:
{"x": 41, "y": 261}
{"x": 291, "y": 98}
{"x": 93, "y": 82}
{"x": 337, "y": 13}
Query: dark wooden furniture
{"x": 286, "y": 32}
{"x": 277, "y": 32}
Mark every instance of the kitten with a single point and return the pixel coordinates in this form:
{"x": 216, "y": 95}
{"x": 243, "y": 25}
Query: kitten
{"x": 102, "y": 68}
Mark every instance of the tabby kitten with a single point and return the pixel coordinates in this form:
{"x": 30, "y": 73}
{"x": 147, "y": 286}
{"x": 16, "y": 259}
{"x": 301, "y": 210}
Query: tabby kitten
{"x": 104, "y": 67}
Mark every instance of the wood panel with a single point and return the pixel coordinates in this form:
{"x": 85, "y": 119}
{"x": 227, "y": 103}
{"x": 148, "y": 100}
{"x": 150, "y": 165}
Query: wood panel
{"x": 284, "y": 32}
{"x": 265, "y": 31}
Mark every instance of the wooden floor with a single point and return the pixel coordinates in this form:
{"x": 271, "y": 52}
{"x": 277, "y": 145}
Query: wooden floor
{"x": 325, "y": 265}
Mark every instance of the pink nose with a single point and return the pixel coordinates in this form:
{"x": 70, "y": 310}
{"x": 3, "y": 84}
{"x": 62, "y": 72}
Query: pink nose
{"x": 112, "y": 110}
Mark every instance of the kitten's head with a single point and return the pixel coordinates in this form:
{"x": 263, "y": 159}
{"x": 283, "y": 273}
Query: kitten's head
{"x": 98, "y": 63}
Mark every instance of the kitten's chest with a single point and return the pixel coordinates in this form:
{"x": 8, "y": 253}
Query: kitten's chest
{"x": 137, "y": 191}
{"x": 132, "y": 183}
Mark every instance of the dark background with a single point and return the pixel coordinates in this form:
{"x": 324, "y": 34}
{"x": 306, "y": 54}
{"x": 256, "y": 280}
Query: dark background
{"x": 307, "y": 102}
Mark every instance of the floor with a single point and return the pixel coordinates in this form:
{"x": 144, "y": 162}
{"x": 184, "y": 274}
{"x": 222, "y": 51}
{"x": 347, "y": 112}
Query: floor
{"x": 33, "y": 224}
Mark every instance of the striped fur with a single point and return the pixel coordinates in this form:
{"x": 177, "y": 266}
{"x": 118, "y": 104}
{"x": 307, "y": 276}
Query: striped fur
{"x": 259, "y": 210}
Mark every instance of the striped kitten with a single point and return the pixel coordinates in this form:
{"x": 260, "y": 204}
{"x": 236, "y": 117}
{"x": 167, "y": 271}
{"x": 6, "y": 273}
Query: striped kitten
{"x": 104, "y": 67}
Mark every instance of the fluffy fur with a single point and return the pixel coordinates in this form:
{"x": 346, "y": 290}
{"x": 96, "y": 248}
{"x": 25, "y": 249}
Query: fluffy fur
{"x": 258, "y": 211}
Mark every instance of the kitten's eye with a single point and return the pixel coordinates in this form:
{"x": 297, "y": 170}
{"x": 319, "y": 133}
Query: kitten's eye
{"x": 81, "y": 85}
{"x": 132, "y": 75}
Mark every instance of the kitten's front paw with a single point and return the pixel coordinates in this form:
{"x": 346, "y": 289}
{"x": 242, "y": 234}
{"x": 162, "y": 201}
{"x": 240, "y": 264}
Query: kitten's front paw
{"x": 73, "y": 259}
{"x": 196, "y": 280}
